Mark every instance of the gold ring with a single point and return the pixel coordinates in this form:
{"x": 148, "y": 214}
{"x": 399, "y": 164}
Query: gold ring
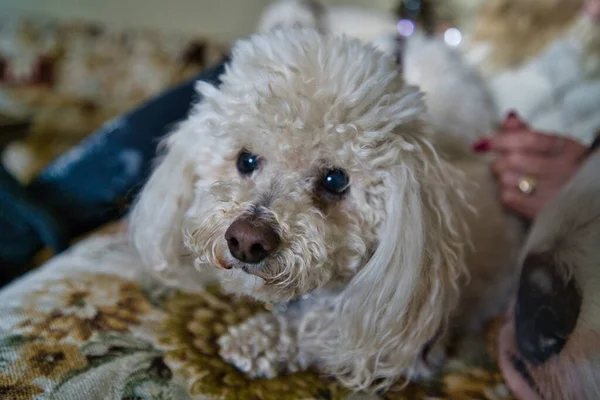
{"x": 527, "y": 184}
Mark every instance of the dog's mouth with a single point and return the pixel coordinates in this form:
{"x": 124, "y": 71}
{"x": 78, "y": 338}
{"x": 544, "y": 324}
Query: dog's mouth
{"x": 229, "y": 263}
{"x": 515, "y": 369}
{"x": 222, "y": 264}
{"x": 542, "y": 320}
{"x": 252, "y": 270}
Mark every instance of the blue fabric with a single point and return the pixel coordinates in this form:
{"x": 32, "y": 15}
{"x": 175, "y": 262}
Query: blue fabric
{"x": 93, "y": 183}
{"x": 24, "y": 224}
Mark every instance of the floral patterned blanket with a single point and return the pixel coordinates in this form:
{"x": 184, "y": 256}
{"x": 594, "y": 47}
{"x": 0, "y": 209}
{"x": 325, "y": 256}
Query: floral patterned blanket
{"x": 91, "y": 325}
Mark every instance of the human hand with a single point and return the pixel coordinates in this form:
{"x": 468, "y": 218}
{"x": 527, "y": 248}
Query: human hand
{"x": 531, "y": 166}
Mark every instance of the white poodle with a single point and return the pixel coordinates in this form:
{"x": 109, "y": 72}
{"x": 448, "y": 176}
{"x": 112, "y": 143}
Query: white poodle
{"x": 312, "y": 178}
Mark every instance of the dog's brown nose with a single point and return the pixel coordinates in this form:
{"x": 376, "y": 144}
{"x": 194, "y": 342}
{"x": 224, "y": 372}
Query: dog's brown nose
{"x": 251, "y": 241}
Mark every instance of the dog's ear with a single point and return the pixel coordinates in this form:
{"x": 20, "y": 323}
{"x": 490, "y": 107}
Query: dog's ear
{"x": 402, "y": 297}
{"x": 156, "y": 221}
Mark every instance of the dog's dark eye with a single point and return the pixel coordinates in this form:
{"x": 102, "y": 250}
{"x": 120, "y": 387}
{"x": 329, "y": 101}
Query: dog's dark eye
{"x": 247, "y": 163}
{"x": 335, "y": 181}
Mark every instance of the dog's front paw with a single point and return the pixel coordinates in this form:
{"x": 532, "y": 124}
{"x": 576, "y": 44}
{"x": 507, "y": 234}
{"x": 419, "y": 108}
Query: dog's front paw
{"x": 263, "y": 346}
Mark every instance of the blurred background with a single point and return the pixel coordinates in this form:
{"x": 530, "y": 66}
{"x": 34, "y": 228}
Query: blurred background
{"x": 67, "y": 66}
{"x": 221, "y": 19}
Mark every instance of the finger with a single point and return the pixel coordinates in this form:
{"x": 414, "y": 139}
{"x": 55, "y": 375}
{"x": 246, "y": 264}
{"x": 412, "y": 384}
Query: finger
{"x": 524, "y": 141}
{"x": 516, "y": 201}
{"x": 509, "y": 179}
{"x": 528, "y": 163}
{"x": 499, "y": 166}
{"x": 574, "y": 150}
{"x": 512, "y": 122}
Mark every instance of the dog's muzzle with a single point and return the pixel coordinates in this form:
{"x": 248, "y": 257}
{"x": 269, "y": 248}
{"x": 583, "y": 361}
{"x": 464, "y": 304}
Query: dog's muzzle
{"x": 251, "y": 240}
{"x": 546, "y": 311}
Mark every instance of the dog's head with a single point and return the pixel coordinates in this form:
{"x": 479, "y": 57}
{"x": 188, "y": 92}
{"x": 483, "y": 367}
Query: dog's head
{"x": 549, "y": 350}
{"x": 311, "y": 166}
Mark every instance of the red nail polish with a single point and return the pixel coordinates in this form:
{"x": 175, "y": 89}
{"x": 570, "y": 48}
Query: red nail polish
{"x": 481, "y": 146}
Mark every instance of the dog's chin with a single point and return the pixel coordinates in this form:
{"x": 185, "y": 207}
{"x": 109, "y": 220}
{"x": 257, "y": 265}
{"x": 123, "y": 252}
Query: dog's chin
{"x": 251, "y": 280}
{"x": 236, "y": 281}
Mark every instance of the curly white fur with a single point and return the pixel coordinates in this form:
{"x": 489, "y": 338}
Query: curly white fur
{"x": 375, "y": 275}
